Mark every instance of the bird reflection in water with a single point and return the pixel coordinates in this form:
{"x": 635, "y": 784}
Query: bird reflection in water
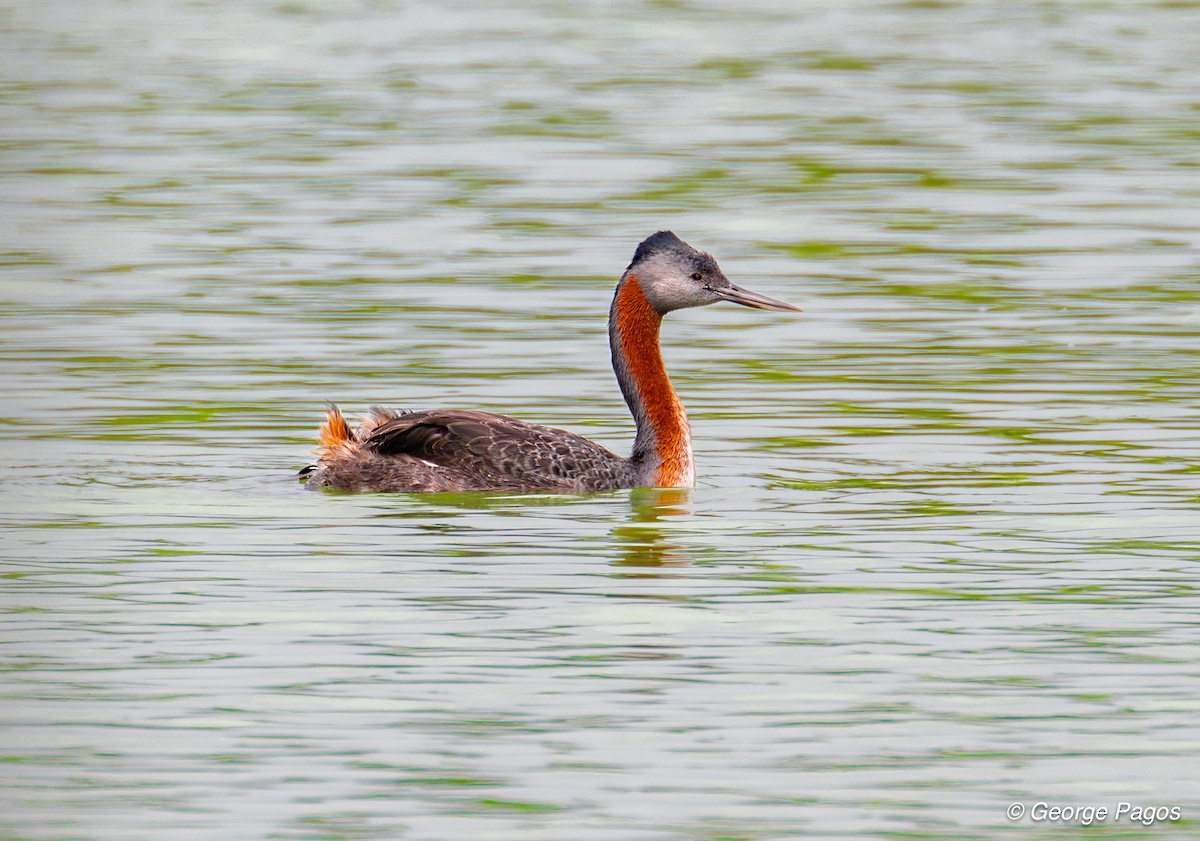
{"x": 642, "y": 541}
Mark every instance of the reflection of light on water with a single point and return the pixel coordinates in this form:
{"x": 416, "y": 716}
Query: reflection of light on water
{"x": 641, "y": 539}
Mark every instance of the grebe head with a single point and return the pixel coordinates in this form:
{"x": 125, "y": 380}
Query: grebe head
{"x": 674, "y": 276}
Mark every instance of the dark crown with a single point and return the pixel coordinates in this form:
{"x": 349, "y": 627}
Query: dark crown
{"x": 658, "y": 243}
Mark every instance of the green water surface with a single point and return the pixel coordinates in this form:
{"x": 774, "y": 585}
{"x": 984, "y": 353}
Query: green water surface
{"x": 942, "y": 555}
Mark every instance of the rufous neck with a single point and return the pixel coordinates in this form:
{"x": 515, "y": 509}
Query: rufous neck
{"x": 662, "y": 452}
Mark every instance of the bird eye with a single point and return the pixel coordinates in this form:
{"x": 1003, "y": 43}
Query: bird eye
{"x": 697, "y": 276}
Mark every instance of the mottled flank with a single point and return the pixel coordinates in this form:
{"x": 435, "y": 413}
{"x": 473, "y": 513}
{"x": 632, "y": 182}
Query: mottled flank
{"x": 454, "y": 450}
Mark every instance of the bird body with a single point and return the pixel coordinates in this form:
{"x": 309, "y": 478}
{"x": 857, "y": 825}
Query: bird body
{"x": 461, "y": 450}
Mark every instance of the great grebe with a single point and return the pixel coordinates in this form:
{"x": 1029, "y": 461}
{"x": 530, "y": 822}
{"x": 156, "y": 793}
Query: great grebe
{"x": 461, "y": 450}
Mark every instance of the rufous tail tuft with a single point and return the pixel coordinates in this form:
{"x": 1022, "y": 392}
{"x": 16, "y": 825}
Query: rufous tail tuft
{"x": 335, "y": 431}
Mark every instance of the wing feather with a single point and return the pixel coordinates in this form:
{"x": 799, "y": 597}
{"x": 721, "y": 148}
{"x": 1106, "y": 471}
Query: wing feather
{"x": 499, "y": 450}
